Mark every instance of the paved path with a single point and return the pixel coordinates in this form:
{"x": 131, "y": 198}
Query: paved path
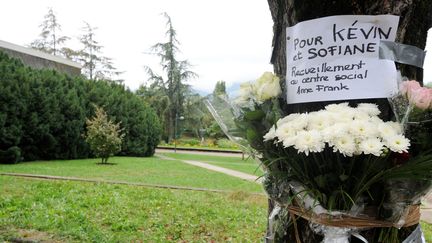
{"x": 226, "y": 171}
{"x": 426, "y": 209}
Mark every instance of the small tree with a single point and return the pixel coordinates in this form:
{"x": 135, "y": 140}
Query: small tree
{"x": 103, "y": 135}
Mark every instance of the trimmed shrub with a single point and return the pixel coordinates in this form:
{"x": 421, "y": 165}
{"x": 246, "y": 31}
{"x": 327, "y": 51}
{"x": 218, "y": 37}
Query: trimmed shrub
{"x": 43, "y": 112}
{"x": 11, "y": 156}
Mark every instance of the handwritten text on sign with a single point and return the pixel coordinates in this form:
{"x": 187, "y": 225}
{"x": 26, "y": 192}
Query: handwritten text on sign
{"x": 336, "y": 58}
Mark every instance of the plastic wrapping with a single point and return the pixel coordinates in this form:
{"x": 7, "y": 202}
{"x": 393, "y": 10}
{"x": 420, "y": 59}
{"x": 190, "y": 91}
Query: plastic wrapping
{"x": 408, "y": 105}
{"x": 399, "y": 104}
{"x": 284, "y": 192}
{"x": 343, "y": 235}
{"x": 402, "y": 53}
{"x": 278, "y": 221}
{"x": 277, "y": 189}
{"x": 225, "y": 113}
{"x": 416, "y": 236}
{"x": 400, "y": 196}
{"x": 309, "y": 203}
{"x": 333, "y": 234}
{"x": 271, "y": 221}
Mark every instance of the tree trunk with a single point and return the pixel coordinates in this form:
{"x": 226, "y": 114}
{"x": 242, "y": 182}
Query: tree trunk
{"x": 415, "y": 20}
{"x": 171, "y": 124}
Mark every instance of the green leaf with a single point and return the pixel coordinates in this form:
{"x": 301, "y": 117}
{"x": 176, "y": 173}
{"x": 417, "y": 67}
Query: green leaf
{"x": 320, "y": 180}
{"x": 254, "y": 115}
{"x": 251, "y": 135}
{"x": 343, "y": 177}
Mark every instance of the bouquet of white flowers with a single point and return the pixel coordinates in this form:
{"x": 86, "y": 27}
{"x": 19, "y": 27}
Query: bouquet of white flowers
{"x": 342, "y": 161}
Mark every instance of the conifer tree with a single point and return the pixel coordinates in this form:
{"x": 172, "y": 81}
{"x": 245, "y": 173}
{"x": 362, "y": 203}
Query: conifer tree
{"x": 51, "y": 40}
{"x": 95, "y": 65}
{"x": 220, "y": 88}
{"x": 176, "y": 72}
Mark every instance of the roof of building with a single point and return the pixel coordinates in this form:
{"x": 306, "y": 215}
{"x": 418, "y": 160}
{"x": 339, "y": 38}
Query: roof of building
{"x": 36, "y": 53}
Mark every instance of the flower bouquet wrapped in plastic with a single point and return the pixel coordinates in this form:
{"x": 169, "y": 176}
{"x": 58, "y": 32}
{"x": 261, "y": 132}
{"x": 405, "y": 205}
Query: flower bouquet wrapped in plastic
{"x": 412, "y": 107}
{"x": 341, "y": 168}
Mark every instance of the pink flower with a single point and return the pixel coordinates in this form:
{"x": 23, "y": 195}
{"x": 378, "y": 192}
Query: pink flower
{"x": 421, "y": 97}
{"x": 407, "y": 87}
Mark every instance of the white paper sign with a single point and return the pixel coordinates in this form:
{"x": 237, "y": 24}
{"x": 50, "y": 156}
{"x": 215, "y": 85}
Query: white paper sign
{"x": 336, "y": 58}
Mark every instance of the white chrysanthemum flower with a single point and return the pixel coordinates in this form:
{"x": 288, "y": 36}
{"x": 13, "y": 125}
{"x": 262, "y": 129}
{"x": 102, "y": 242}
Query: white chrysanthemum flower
{"x": 320, "y": 120}
{"x": 398, "y": 143}
{"x": 334, "y": 132}
{"x": 361, "y": 116}
{"x": 350, "y": 131}
{"x": 387, "y": 130}
{"x": 396, "y": 125}
{"x": 346, "y": 114}
{"x": 309, "y": 141}
{"x": 285, "y": 132}
{"x": 337, "y": 107}
{"x": 288, "y": 118}
{"x": 289, "y": 141}
{"x": 370, "y": 109}
{"x": 371, "y": 146}
{"x": 363, "y": 129}
{"x": 300, "y": 123}
{"x": 375, "y": 119}
{"x": 346, "y": 145}
{"x": 271, "y": 134}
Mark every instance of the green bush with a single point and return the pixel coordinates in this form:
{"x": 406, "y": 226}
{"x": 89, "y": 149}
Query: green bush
{"x": 11, "y": 156}
{"x": 226, "y": 143}
{"x": 189, "y": 141}
{"x": 214, "y": 131}
{"x": 43, "y": 112}
{"x": 103, "y": 135}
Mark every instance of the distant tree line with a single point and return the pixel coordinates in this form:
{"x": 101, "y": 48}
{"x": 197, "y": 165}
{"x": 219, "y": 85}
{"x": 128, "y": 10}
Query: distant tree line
{"x": 43, "y": 114}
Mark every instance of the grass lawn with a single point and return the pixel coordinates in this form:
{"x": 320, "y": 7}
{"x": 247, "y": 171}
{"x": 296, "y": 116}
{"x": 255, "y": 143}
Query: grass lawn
{"x": 145, "y": 170}
{"x": 58, "y": 211}
{"x": 92, "y": 212}
{"x": 65, "y": 211}
{"x": 249, "y": 166}
{"x": 427, "y": 230}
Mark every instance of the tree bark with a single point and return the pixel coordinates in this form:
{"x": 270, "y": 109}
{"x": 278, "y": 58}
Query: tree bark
{"x": 415, "y": 20}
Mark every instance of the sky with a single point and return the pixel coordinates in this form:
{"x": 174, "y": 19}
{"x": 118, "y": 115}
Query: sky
{"x": 228, "y": 40}
{"x": 223, "y": 40}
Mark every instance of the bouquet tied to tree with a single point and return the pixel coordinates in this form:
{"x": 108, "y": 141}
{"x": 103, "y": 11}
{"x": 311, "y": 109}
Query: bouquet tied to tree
{"x": 342, "y": 168}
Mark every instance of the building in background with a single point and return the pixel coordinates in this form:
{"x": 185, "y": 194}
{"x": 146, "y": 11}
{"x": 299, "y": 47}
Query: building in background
{"x": 40, "y": 60}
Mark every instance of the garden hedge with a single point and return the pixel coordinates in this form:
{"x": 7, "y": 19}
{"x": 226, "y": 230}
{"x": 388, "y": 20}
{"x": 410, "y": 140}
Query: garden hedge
{"x": 43, "y": 113}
